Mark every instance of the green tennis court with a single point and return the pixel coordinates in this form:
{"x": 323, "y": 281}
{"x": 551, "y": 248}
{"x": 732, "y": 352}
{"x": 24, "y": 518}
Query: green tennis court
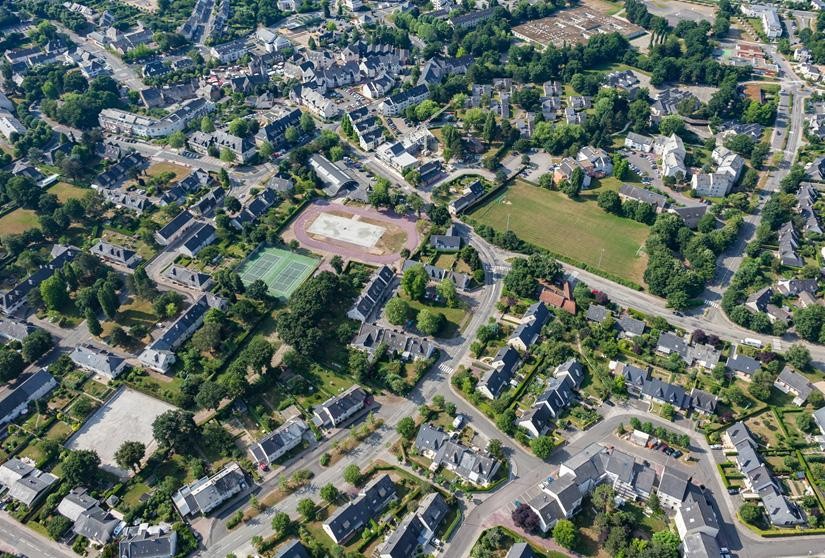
{"x": 282, "y": 271}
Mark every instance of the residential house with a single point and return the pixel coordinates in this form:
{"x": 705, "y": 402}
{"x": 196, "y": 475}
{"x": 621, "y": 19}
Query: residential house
{"x": 160, "y": 354}
{"x": 448, "y": 242}
{"x": 405, "y": 345}
{"x": 14, "y": 298}
{"x": 242, "y": 149}
{"x": 349, "y": 519}
{"x": 472, "y": 18}
{"x": 229, "y": 52}
{"x": 148, "y": 541}
{"x": 630, "y": 326}
{"x": 691, "y": 214}
{"x": 695, "y": 515}
{"x": 438, "y": 274}
{"x": 338, "y": 409}
{"x": 417, "y": 530}
{"x": 255, "y": 209}
{"x": 98, "y": 361}
{"x": 558, "y": 297}
{"x": 209, "y": 492}
{"x": 279, "y": 442}
{"x": 530, "y": 327}
{"x": 470, "y": 196}
{"x": 703, "y": 402}
{"x": 209, "y": 203}
{"x": 15, "y": 402}
{"x": 25, "y": 484}
{"x": 176, "y": 228}
{"x": 90, "y": 520}
{"x": 668, "y": 101}
{"x": 187, "y": 277}
{"x": 565, "y": 172}
{"x": 791, "y": 381}
{"x": 665, "y": 393}
{"x": 396, "y": 104}
{"x": 115, "y": 254}
{"x": 672, "y": 152}
{"x": 630, "y": 480}
{"x": 597, "y": 313}
{"x": 123, "y": 169}
{"x": 119, "y": 121}
{"x": 595, "y": 161}
{"x": 743, "y": 366}
{"x": 673, "y": 487}
{"x": 202, "y": 237}
{"x": 503, "y": 369}
{"x": 373, "y": 294}
{"x": 12, "y": 330}
{"x": 643, "y": 195}
{"x": 471, "y": 466}
{"x": 274, "y": 132}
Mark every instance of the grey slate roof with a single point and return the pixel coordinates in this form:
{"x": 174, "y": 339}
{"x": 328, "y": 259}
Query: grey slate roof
{"x": 597, "y": 313}
{"x": 353, "y": 516}
{"x": 97, "y": 360}
{"x": 23, "y": 392}
{"x": 796, "y": 381}
{"x": 293, "y": 549}
{"x": 697, "y": 513}
{"x": 700, "y": 545}
{"x": 703, "y": 400}
{"x": 520, "y": 550}
{"x": 674, "y": 483}
{"x": 666, "y": 392}
{"x": 629, "y": 324}
{"x": 144, "y": 541}
{"x": 744, "y": 364}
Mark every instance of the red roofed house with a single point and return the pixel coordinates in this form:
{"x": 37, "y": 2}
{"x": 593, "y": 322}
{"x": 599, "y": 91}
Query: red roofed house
{"x": 559, "y": 297}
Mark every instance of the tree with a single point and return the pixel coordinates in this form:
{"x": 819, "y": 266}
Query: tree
{"x": 92, "y": 324}
{"x": 107, "y": 298}
{"x": 671, "y": 124}
{"x": 750, "y": 513}
{"x": 542, "y": 446}
{"x": 799, "y": 356}
{"x": 330, "y": 493}
{"x": 210, "y": 395}
{"x": 226, "y": 155}
{"x": 414, "y": 282}
{"x": 406, "y": 428}
{"x": 266, "y": 150}
{"x": 130, "y": 454}
{"x": 207, "y": 126}
{"x": 429, "y": 322}
{"x": 257, "y": 290}
{"x": 352, "y": 474}
{"x": 281, "y": 523}
{"x": 610, "y": 201}
{"x": 307, "y": 509}
{"x": 239, "y": 127}
{"x": 603, "y": 498}
{"x": 307, "y": 123}
{"x": 805, "y": 422}
{"x": 668, "y": 411}
{"x": 177, "y": 139}
{"x": 174, "y": 429}
{"x": 208, "y": 338}
{"x": 11, "y": 364}
{"x": 36, "y": 344}
{"x": 565, "y": 533}
{"x": 524, "y": 517}
{"x": 291, "y": 134}
{"x": 446, "y": 290}
{"x": 337, "y": 263}
{"x": 397, "y": 311}
{"x": 80, "y": 467}
{"x": 118, "y": 337}
{"x": 666, "y": 543}
{"x": 53, "y": 292}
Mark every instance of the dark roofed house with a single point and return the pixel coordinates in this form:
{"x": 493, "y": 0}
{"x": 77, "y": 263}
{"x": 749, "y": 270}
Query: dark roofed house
{"x": 743, "y": 366}
{"x": 790, "y": 381}
{"x": 207, "y": 493}
{"x": 537, "y": 420}
{"x": 293, "y": 549}
{"x": 25, "y": 484}
{"x": 14, "y": 298}
{"x": 504, "y": 366}
{"x": 202, "y": 237}
{"x": 664, "y": 392}
{"x": 275, "y": 131}
{"x": 703, "y": 401}
{"x": 472, "y": 18}
{"x": 187, "y": 277}
{"x": 259, "y": 205}
{"x": 634, "y": 377}
{"x": 336, "y": 410}
{"x": 520, "y": 550}
{"x": 448, "y": 242}
{"x": 373, "y": 294}
{"x": 176, "y": 228}
{"x": 527, "y": 333}
{"x": 597, "y": 313}
{"x": 353, "y": 516}
{"x": 406, "y": 345}
{"x": 279, "y": 442}
{"x": 691, "y": 214}
{"x": 26, "y": 390}
{"x": 673, "y": 487}
{"x": 629, "y": 192}
{"x": 114, "y": 253}
{"x": 670, "y": 343}
{"x": 148, "y": 541}
{"x": 630, "y": 326}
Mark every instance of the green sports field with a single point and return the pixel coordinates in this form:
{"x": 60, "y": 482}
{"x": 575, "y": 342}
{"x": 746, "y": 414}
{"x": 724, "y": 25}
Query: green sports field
{"x": 579, "y": 230}
{"x": 282, "y": 271}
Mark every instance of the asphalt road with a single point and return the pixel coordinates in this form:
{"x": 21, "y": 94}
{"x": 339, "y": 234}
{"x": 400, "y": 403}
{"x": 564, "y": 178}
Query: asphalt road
{"x": 14, "y": 537}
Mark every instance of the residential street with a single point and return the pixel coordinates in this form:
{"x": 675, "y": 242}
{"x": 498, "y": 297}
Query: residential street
{"x": 14, "y": 537}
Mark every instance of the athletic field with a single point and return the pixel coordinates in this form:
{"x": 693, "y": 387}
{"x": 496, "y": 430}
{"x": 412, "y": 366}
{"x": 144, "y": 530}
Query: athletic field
{"x": 282, "y": 271}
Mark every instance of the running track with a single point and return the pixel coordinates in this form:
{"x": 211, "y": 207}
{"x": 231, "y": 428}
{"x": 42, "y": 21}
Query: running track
{"x": 344, "y": 249}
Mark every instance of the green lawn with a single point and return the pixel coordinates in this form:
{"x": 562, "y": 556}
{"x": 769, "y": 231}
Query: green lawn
{"x": 455, "y": 317}
{"x": 65, "y": 191}
{"x": 18, "y": 221}
{"x": 579, "y": 230}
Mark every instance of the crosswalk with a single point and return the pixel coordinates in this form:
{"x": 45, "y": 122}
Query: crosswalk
{"x": 446, "y": 368}
{"x": 501, "y": 269}
{"x": 711, "y": 303}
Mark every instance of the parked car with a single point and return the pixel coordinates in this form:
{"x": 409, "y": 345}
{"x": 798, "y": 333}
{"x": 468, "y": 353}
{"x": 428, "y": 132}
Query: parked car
{"x": 677, "y": 454}
{"x": 733, "y": 491}
{"x": 669, "y": 451}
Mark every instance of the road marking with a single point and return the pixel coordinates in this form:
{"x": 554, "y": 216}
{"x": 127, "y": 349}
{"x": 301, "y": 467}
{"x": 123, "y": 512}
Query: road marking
{"x": 445, "y": 368}
{"x": 711, "y": 303}
{"x": 501, "y": 268}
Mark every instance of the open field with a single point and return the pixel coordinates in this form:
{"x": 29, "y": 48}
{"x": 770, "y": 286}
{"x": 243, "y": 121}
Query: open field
{"x": 65, "y": 191}
{"x": 18, "y": 221}
{"x": 282, "y": 271}
{"x": 579, "y": 230}
{"x": 159, "y": 168}
{"x": 104, "y": 431}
